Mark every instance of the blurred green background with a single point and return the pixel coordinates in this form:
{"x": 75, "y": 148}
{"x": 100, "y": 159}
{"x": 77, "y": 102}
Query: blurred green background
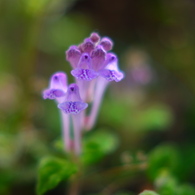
{"x": 144, "y": 136}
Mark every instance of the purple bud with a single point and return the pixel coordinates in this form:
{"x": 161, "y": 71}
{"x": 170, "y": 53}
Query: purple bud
{"x": 73, "y": 55}
{"x": 58, "y": 86}
{"x": 106, "y": 43}
{"x": 73, "y": 103}
{"x": 87, "y": 46}
{"x": 98, "y": 57}
{"x": 94, "y": 37}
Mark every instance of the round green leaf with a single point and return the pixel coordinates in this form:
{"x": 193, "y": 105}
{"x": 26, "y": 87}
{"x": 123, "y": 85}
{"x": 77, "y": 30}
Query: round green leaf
{"x": 52, "y": 171}
{"x": 97, "y": 145}
{"x": 163, "y": 157}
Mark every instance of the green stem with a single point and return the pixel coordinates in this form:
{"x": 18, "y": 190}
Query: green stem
{"x": 75, "y": 182}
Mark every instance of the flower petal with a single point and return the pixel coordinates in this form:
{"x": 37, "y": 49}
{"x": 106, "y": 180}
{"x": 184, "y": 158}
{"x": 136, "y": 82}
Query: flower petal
{"x": 112, "y": 75}
{"x": 72, "y": 107}
{"x": 98, "y": 57}
{"x": 84, "y": 74}
{"x": 53, "y": 93}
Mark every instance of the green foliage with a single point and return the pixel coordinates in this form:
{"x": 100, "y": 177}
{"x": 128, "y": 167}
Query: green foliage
{"x": 115, "y": 116}
{"x": 165, "y": 169}
{"x": 6, "y": 178}
{"x": 167, "y": 184}
{"x": 8, "y": 149}
{"x": 97, "y": 145}
{"x": 186, "y": 190}
{"x": 54, "y": 40}
{"x": 188, "y": 159}
{"x": 148, "y": 192}
{"x": 153, "y": 117}
{"x": 163, "y": 157}
{"x": 52, "y": 171}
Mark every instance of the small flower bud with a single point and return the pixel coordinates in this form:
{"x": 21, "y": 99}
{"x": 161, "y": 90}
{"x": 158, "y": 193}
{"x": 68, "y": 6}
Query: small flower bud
{"x": 98, "y": 57}
{"x": 106, "y": 43}
{"x": 87, "y": 46}
{"x": 73, "y": 56}
{"x": 94, "y": 37}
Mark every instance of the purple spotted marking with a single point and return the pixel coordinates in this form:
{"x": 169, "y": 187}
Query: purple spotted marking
{"x": 84, "y": 74}
{"x": 72, "y": 107}
{"x": 53, "y": 93}
{"x": 111, "y": 75}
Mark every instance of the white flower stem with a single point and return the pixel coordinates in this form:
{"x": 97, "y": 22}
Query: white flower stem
{"x": 99, "y": 92}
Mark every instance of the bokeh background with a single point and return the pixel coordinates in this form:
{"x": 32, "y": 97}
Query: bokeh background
{"x": 151, "y": 113}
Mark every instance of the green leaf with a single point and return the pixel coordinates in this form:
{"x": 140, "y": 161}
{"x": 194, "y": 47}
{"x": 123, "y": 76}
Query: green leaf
{"x": 166, "y": 184}
{"x": 163, "y": 157}
{"x": 52, "y": 171}
{"x": 97, "y": 145}
{"x": 59, "y": 145}
{"x": 148, "y": 192}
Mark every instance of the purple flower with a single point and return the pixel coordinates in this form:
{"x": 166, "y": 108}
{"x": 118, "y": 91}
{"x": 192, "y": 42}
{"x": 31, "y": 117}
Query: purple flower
{"x": 90, "y": 60}
{"x": 57, "y": 87}
{"x": 111, "y": 71}
{"x": 93, "y": 67}
{"x": 73, "y": 103}
{"x": 84, "y": 69}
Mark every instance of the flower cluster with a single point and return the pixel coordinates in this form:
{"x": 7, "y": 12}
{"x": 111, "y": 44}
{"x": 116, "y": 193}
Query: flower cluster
{"x": 93, "y": 68}
{"x": 91, "y": 59}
